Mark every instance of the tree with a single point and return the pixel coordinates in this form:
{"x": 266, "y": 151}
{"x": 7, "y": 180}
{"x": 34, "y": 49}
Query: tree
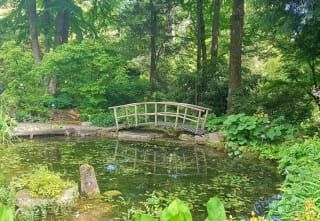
{"x": 216, "y": 6}
{"x": 201, "y": 49}
{"x": 32, "y": 13}
{"x": 236, "y": 34}
{"x": 153, "y": 46}
{"x": 46, "y": 25}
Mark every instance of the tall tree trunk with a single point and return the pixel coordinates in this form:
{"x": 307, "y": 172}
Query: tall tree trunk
{"x": 236, "y": 34}
{"x": 153, "y": 42}
{"x": 47, "y": 25}
{"x": 61, "y": 37}
{"x": 32, "y": 12}
{"x": 171, "y": 25}
{"x": 62, "y": 28}
{"x": 216, "y": 5}
{"x": 201, "y": 48}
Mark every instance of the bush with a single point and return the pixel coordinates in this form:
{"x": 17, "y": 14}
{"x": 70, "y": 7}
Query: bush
{"x": 103, "y": 119}
{"x": 6, "y": 127}
{"x": 241, "y": 130}
{"x": 92, "y": 76}
{"x": 44, "y": 183}
{"x": 301, "y": 188}
{"x": 24, "y": 86}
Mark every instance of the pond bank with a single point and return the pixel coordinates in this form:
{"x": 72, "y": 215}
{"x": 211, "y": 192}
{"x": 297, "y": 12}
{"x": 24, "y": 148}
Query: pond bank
{"x": 31, "y": 130}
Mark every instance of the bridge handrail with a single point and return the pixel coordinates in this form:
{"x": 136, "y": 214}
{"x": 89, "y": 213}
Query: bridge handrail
{"x": 199, "y": 119}
{"x": 196, "y": 107}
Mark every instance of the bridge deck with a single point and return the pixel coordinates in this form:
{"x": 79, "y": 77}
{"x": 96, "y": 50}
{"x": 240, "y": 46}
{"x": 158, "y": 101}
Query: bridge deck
{"x": 186, "y": 117}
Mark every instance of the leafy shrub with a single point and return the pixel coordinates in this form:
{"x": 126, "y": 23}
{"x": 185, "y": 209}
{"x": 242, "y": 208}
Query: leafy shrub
{"x": 59, "y": 101}
{"x": 6, "y": 127}
{"x": 241, "y": 130}
{"x": 179, "y": 211}
{"x": 92, "y": 76}
{"x": 44, "y": 183}
{"x": 301, "y": 165}
{"x": 103, "y": 119}
{"x": 24, "y": 86}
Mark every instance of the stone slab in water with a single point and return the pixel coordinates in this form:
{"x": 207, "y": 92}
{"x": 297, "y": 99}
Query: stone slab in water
{"x": 89, "y": 184}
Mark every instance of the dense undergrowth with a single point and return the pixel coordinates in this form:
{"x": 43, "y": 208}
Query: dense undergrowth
{"x": 297, "y": 153}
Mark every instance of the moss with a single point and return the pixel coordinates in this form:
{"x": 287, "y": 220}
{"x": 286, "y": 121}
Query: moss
{"x": 44, "y": 183}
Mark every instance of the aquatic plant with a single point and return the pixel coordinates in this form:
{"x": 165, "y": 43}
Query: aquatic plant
{"x": 179, "y": 211}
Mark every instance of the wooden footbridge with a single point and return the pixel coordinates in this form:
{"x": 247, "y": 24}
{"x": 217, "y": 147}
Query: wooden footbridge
{"x": 186, "y": 117}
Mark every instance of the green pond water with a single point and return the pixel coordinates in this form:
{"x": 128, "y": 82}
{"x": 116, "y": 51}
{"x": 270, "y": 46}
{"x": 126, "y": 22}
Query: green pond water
{"x": 192, "y": 173}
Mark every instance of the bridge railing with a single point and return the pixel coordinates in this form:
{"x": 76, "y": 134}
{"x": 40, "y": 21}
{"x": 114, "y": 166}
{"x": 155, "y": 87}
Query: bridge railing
{"x": 171, "y": 114}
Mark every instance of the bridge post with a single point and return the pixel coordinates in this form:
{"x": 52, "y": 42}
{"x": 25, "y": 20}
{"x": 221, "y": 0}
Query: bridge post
{"x": 145, "y": 113}
{"x": 177, "y": 115}
{"x": 185, "y": 115}
{"x": 116, "y": 117}
{"x": 205, "y": 120}
{"x": 127, "y": 116}
{"x": 198, "y": 121}
{"x": 165, "y": 113}
{"x": 155, "y": 114}
{"x": 136, "y": 114}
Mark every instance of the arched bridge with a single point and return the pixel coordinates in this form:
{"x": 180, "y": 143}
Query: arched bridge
{"x": 186, "y": 117}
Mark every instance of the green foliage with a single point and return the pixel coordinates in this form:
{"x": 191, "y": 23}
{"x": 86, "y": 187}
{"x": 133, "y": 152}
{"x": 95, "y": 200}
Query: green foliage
{"x": 23, "y": 85}
{"x": 59, "y": 101}
{"x": 301, "y": 165}
{"x": 103, "y": 119}
{"x": 243, "y": 131}
{"x": 6, "y": 127}
{"x": 176, "y": 211}
{"x": 92, "y": 76}
{"x": 44, "y": 183}
{"x": 215, "y": 210}
{"x": 144, "y": 217}
{"x": 179, "y": 211}
{"x": 6, "y": 213}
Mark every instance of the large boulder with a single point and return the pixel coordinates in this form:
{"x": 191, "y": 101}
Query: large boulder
{"x": 89, "y": 184}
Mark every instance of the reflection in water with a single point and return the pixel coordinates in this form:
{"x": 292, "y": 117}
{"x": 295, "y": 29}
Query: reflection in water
{"x": 158, "y": 161}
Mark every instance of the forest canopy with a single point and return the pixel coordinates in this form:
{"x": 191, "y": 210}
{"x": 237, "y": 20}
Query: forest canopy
{"x": 253, "y": 57}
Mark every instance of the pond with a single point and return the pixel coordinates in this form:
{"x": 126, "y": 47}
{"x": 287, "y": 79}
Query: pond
{"x": 149, "y": 173}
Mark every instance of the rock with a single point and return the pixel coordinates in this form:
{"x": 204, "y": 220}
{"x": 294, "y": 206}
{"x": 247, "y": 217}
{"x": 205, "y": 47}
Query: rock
{"x": 186, "y": 137}
{"x": 25, "y": 200}
{"x": 139, "y": 135}
{"x": 112, "y": 193}
{"x": 89, "y": 184}
{"x": 215, "y": 137}
{"x": 69, "y": 196}
{"x": 201, "y": 139}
